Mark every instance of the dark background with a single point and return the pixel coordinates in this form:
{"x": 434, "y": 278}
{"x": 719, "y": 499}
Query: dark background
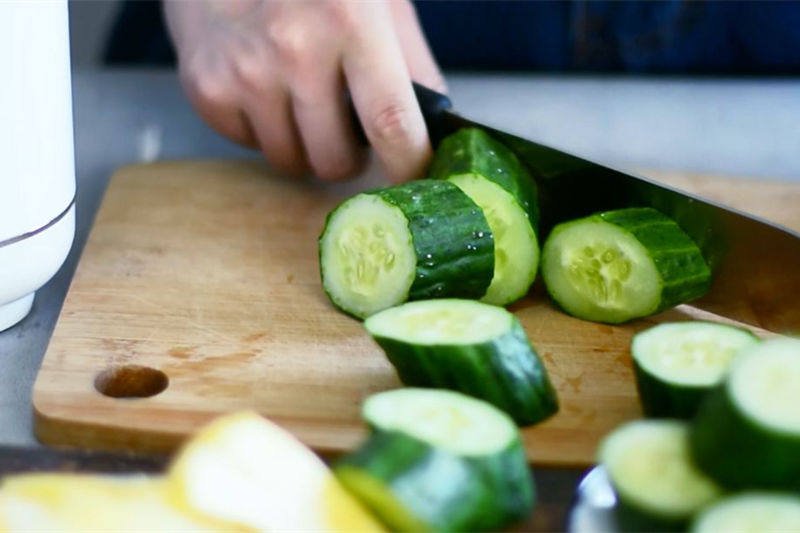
{"x": 660, "y": 37}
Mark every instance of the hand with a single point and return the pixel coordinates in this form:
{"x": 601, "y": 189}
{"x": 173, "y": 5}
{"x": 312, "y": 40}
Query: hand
{"x": 273, "y": 74}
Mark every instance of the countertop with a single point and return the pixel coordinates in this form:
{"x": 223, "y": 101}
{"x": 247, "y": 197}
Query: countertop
{"x": 739, "y": 127}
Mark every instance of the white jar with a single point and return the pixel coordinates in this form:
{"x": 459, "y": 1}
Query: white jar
{"x": 37, "y": 169}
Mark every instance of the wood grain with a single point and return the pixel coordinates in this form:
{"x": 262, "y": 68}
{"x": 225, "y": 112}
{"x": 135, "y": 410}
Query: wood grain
{"x": 207, "y": 271}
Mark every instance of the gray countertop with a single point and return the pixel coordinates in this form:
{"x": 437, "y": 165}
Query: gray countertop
{"x": 738, "y": 127}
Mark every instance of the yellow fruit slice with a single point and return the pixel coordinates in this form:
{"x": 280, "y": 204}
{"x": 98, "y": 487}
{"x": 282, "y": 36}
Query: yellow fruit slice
{"x": 82, "y": 503}
{"x": 244, "y": 469}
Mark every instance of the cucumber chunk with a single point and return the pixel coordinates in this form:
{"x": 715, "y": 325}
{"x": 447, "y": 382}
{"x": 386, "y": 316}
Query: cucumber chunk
{"x": 475, "y": 348}
{"x": 494, "y": 178}
{"x": 619, "y": 265}
{"x": 751, "y": 512}
{"x": 658, "y": 486}
{"x": 437, "y": 460}
{"x": 677, "y": 364}
{"x": 747, "y": 433}
{"x": 423, "y": 239}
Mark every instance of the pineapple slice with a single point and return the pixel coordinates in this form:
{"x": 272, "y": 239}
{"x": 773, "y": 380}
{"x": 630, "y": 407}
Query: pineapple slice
{"x": 244, "y": 469}
{"x": 83, "y": 503}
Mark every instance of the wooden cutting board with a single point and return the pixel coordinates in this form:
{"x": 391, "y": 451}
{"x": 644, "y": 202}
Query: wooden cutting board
{"x": 198, "y": 292}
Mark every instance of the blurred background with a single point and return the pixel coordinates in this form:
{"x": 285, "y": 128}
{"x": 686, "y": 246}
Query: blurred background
{"x": 672, "y": 85}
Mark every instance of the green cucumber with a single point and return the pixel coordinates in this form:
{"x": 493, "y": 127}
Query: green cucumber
{"x": 677, "y": 364}
{"x": 475, "y": 348}
{"x": 756, "y": 512}
{"x": 747, "y": 432}
{"x": 423, "y": 239}
{"x": 658, "y": 486}
{"x": 494, "y": 178}
{"x": 619, "y": 265}
{"x": 438, "y": 460}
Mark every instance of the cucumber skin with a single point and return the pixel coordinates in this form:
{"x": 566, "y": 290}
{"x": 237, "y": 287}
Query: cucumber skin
{"x": 505, "y": 372}
{"x": 631, "y": 518}
{"x": 684, "y": 273}
{"x": 661, "y": 399}
{"x": 739, "y": 453}
{"x": 452, "y": 239}
{"x": 411, "y": 469}
{"x": 473, "y": 151}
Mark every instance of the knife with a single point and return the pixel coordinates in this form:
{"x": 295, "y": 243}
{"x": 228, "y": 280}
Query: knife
{"x": 756, "y": 263}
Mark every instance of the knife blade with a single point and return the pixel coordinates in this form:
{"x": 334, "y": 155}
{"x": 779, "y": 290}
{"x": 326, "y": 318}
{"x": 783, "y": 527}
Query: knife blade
{"x": 756, "y": 263}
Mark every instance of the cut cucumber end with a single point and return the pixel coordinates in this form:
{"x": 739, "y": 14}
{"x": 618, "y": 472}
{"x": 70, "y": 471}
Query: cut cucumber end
{"x": 516, "y": 256}
{"x": 367, "y": 256}
{"x": 598, "y": 271}
{"x": 441, "y": 322}
{"x": 650, "y": 467}
{"x": 694, "y": 354}
{"x": 752, "y": 512}
{"x": 765, "y": 384}
{"x": 444, "y": 419}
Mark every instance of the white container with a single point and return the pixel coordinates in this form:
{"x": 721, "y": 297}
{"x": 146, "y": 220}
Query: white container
{"x": 37, "y": 169}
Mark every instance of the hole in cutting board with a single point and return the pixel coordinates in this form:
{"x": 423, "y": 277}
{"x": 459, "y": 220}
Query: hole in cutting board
{"x": 131, "y": 381}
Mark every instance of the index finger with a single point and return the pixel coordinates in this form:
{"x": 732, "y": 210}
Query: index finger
{"x": 380, "y": 86}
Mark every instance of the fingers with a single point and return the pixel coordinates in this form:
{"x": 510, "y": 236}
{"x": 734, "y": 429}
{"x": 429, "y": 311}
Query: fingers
{"x": 417, "y": 53}
{"x": 380, "y": 86}
{"x": 276, "y": 132}
{"x": 317, "y": 94}
{"x": 217, "y": 102}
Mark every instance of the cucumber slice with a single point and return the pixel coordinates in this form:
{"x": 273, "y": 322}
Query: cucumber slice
{"x": 423, "y": 239}
{"x": 658, "y": 486}
{"x": 747, "y": 433}
{"x": 439, "y": 460}
{"x": 247, "y": 470}
{"x": 516, "y": 249}
{"x": 619, "y": 265}
{"x": 494, "y": 178}
{"x": 677, "y": 364}
{"x": 752, "y": 512}
{"x": 464, "y": 345}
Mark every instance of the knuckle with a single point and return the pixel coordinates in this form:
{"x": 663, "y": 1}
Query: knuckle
{"x": 342, "y": 14}
{"x": 205, "y": 86}
{"x": 289, "y": 41}
{"x": 249, "y": 72}
{"x": 391, "y": 123}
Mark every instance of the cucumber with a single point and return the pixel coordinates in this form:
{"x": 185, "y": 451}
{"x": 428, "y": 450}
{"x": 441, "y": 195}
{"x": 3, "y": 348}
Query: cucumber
{"x": 757, "y": 512}
{"x": 438, "y": 460}
{"x": 494, "y": 178}
{"x": 747, "y": 433}
{"x": 619, "y": 265}
{"x": 478, "y": 349}
{"x": 658, "y": 486}
{"x": 424, "y": 239}
{"x": 677, "y": 364}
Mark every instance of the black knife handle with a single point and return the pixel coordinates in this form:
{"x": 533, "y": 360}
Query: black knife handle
{"x": 432, "y": 104}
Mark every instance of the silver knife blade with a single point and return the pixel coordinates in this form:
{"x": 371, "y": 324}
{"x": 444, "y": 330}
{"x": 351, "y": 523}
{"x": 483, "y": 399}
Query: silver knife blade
{"x": 756, "y": 263}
